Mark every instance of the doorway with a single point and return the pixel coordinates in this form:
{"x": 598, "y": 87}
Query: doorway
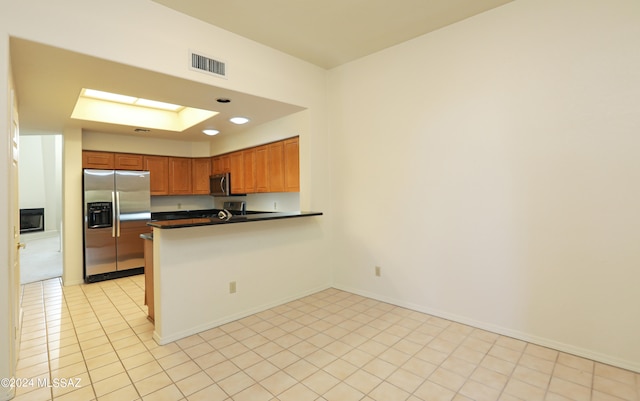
{"x": 40, "y": 188}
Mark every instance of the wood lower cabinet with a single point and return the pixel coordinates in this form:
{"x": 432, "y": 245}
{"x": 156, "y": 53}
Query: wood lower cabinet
{"x": 148, "y": 278}
{"x": 180, "y": 176}
{"x": 200, "y": 173}
{"x": 292, "y": 165}
{"x": 125, "y": 161}
{"x": 98, "y": 160}
{"x": 158, "y": 166}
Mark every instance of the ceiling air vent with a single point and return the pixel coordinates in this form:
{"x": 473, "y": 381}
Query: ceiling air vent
{"x": 208, "y": 65}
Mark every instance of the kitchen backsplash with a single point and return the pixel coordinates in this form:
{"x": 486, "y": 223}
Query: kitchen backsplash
{"x": 186, "y": 202}
{"x": 269, "y": 202}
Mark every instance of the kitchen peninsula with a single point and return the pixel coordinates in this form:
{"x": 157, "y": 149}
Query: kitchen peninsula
{"x": 211, "y": 270}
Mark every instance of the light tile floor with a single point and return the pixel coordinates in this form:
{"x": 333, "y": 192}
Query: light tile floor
{"x": 329, "y": 346}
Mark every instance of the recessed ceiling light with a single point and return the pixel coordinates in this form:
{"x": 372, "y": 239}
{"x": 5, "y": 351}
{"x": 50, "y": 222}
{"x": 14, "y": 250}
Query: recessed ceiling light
{"x": 239, "y": 120}
{"x": 210, "y": 132}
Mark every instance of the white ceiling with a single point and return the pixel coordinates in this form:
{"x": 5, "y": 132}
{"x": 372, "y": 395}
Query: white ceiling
{"x": 329, "y": 33}
{"x": 323, "y": 32}
{"x": 47, "y": 93}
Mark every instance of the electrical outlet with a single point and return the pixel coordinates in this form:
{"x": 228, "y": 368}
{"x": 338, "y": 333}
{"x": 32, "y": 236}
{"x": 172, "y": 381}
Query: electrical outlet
{"x": 275, "y": 205}
{"x": 179, "y": 206}
{"x": 378, "y": 271}
{"x": 232, "y": 287}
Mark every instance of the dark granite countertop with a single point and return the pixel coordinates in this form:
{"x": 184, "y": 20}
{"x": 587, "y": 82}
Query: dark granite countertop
{"x": 199, "y": 218}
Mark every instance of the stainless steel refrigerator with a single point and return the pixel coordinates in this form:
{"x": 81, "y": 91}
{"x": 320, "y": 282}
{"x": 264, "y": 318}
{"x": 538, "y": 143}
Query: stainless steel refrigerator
{"x": 117, "y": 207}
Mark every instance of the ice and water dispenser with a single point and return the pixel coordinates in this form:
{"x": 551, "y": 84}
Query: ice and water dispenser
{"x": 99, "y": 214}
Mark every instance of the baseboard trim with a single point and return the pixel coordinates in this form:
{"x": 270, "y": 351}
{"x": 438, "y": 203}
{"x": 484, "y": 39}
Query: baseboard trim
{"x": 544, "y": 342}
{"x": 163, "y": 340}
{"x": 26, "y": 237}
{"x": 7, "y": 393}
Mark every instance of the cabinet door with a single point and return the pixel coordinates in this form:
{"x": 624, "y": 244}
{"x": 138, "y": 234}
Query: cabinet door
{"x": 262, "y": 169}
{"x": 237, "y": 172}
{"x": 276, "y": 166}
{"x": 216, "y": 167}
{"x": 249, "y": 170}
{"x": 97, "y": 160}
{"x": 292, "y": 165}
{"x": 158, "y": 166}
{"x": 221, "y": 164}
{"x": 180, "y": 176}
{"x": 201, "y": 170}
{"x": 125, "y": 161}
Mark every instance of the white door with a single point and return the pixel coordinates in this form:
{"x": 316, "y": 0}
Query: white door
{"x": 14, "y": 271}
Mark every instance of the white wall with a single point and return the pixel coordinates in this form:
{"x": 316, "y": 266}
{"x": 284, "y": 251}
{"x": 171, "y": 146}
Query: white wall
{"x": 162, "y": 44}
{"x": 268, "y": 260}
{"x": 40, "y": 184}
{"x": 131, "y": 144}
{"x": 72, "y": 219}
{"x": 491, "y": 169}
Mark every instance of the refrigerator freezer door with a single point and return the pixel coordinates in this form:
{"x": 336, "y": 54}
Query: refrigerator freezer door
{"x": 133, "y": 212}
{"x": 99, "y": 242}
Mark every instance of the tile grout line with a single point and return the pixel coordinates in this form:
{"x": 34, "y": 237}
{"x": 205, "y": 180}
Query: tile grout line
{"x": 84, "y": 360}
{"x": 108, "y": 338}
{"x": 157, "y": 360}
{"x": 324, "y": 310}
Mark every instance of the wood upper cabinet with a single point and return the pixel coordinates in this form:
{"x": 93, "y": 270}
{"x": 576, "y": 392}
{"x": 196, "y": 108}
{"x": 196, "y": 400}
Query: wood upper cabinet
{"x": 221, "y": 164}
{"x": 276, "y": 166}
{"x": 158, "y": 166}
{"x": 249, "y": 170}
{"x": 292, "y": 165}
{"x": 180, "y": 176}
{"x": 201, "y": 170}
{"x": 236, "y": 163}
{"x": 98, "y": 160}
{"x": 262, "y": 169}
{"x": 125, "y": 161}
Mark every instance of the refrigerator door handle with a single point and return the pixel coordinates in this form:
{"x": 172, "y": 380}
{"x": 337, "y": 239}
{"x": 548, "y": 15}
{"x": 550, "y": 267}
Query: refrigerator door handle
{"x": 113, "y": 214}
{"x": 118, "y": 213}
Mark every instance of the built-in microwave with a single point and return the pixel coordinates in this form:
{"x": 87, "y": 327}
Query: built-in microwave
{"x": 220, "y": 184}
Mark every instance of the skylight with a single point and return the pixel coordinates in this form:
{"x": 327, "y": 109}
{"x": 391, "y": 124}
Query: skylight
{"x": 113, "y": 108}
{"x": 136, "y": 101}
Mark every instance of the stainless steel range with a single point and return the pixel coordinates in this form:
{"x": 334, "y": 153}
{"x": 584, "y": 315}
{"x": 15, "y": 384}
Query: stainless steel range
{"x": 236, "y": 207}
